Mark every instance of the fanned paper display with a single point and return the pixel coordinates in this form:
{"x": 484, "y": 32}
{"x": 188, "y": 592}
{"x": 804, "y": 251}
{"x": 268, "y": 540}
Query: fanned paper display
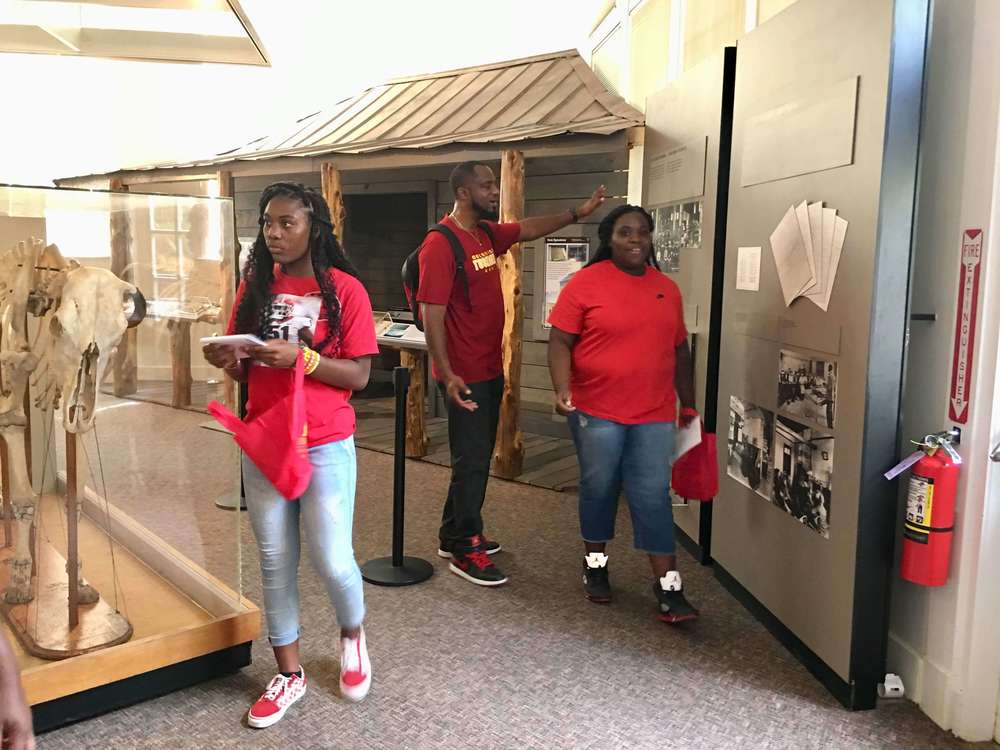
{"x": 807, "y": 244}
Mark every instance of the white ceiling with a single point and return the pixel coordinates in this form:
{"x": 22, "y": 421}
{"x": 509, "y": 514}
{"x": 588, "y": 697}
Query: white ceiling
{"x": 71, "y": 115}
{"x": 191, "y": 31}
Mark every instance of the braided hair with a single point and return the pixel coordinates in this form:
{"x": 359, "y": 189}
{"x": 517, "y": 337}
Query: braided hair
{"x": 607, "y": 227}
{"x": 254, "y": 311}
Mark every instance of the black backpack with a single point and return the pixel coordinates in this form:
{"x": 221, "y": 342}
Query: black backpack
{"x": 411, "y": 267}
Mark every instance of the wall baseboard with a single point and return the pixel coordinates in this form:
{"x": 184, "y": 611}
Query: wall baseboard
{"x": 927, "y": 684}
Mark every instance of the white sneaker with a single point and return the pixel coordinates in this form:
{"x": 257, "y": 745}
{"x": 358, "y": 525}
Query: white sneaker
{"x": 355, "y": 668}
{"x": 281, "y": 693}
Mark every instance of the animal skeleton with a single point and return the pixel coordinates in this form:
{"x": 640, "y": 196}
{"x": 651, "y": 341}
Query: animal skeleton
{"x": 84, "y": 312}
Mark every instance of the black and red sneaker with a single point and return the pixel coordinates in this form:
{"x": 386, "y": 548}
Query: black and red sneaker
{"x": 489, "y": 547}
{"x": 673, "y": 606}
{"x": 470, "y": 560}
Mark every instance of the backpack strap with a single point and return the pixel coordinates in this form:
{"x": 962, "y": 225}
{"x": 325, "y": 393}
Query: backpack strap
{"x": 458, "y": 251}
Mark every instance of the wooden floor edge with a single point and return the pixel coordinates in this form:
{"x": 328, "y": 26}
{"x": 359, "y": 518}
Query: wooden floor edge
{"x": 67, "y": 677}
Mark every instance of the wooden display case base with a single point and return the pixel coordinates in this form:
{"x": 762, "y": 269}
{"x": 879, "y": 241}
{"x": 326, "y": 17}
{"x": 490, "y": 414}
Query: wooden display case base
{"x": 90, "y": 703}
{"x": 42, "y": 625}
{"x": 188, "y": 626}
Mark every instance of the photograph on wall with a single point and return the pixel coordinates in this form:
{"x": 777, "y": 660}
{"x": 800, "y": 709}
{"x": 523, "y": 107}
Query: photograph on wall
{"x": 674, "y": 228}
{"x": 803, "y": 473}
{"x": 750, "y": 438}
{"x": 807, "y": 388}
{"x": 564, "y": 256}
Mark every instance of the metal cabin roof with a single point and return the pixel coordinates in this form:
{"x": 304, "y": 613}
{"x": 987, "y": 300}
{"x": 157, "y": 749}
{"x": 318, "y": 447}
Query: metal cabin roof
{"x": 534, "y": 97}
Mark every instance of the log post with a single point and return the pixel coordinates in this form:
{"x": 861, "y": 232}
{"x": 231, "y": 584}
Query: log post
{"x": 333, "y": 192}
{"x": 416, "y": 430}
{"x": 227, "y": 286}
{"x": 180, "y": 359}
{"x": 509, "y": 453}
{"x": 126, "y": 380}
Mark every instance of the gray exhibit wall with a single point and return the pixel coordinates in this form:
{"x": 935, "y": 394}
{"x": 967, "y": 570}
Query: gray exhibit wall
{"x": 685, "y": 171}
{"x": 827, "y": 111}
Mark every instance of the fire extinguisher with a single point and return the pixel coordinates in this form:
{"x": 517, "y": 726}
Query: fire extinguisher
{"x": 930, "y": 512}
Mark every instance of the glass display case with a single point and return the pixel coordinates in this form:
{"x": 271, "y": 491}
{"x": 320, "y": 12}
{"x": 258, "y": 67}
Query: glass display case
{"x": 111, "y": 467}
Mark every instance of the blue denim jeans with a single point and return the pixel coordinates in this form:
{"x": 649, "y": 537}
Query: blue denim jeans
{"x": 636, "y": 459}
{"x": 327, "y": 511}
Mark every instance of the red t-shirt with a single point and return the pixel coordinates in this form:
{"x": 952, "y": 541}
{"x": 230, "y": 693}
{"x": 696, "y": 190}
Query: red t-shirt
{"x": 474, "y": 334}
{"x": 298, "y": 305}
{"x": 628, "y": 328}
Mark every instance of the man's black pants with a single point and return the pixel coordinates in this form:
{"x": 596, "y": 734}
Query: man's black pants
{"x": 471, "y": 437}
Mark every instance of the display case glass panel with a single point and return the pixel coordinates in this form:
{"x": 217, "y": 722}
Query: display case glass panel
{"x": 111, "y": 464}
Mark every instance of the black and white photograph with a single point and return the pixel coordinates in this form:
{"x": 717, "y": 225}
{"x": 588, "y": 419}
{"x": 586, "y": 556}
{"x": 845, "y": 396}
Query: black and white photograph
{"x": 675, "y": 227}
{"x": 807, "y": 388}
{"x": 803, "y": 473}
{"x": 750, "y": 433}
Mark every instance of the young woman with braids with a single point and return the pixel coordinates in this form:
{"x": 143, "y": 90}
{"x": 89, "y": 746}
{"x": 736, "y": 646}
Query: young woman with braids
{"x": 301, "y": 294}
{"x": 619, "y": 358}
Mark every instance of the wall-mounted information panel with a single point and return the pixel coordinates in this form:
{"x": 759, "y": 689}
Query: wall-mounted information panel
{"x": 686, "y": 184}
{"x": 825, "y": 136}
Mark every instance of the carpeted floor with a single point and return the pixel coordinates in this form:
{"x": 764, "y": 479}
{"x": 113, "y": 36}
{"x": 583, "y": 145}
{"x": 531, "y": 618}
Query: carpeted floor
{"x": 529, "y": 665}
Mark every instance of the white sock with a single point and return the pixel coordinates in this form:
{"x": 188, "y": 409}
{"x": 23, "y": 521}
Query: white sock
{"x": 596, "y": 559}
{"x": 671, "y": 581}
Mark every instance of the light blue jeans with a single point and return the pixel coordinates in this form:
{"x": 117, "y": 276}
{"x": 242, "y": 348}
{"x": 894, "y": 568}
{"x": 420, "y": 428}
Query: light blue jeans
{"x": 636, "y": 459}
{"x": 327, "y": 510}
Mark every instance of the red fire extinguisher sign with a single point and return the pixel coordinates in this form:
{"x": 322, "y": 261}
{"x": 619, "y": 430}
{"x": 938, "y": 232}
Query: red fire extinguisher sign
{"x": 965, "y": 326}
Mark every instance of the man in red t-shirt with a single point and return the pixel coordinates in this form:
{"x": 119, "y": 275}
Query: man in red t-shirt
{"x": 464, "y": 327}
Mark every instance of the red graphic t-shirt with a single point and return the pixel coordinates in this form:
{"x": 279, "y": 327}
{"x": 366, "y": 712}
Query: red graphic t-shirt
{"x": 628, "y": 328}
{"x": 474, "y": 334}
{"x": 297, "y": 305}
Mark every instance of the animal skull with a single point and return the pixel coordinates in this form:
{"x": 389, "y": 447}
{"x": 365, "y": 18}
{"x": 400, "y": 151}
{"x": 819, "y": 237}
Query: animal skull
{"x": 94, "y": 309}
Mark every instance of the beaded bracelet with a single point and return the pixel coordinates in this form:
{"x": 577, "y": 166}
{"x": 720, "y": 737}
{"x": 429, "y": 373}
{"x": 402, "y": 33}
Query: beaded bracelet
{"x": 312, "y": 360}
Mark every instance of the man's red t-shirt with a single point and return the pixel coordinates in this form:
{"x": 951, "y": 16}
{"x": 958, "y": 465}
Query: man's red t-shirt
{"x": 628, "y": 328}
{"x": 474, "y": 334}
{"x": 298, "y": 304}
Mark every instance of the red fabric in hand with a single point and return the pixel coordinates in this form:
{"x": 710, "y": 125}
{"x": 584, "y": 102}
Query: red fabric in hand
{"x": 696, "y": 473}
{"x": 275, "y": 439}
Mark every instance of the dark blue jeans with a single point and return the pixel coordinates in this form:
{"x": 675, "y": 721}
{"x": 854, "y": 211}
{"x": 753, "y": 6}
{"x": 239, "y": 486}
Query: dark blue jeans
{"x": 636, "y": 459}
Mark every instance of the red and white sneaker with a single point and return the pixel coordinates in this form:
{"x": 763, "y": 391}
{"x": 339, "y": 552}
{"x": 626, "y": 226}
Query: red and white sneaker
{"x": 281, "y": 693}
{"x": 355, "y": 668}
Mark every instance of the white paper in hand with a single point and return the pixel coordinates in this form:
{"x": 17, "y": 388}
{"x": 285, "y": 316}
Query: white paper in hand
{"x": 688, "y": 437}
{"x": 238, "y": 341}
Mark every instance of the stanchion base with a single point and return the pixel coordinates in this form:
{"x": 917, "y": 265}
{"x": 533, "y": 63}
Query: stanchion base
{"x": 382, "y": 572}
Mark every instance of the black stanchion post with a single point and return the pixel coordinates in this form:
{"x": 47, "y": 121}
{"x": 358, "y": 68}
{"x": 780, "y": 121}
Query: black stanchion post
{"x": 398, "y": 570}
{"x": 401, "y": 384}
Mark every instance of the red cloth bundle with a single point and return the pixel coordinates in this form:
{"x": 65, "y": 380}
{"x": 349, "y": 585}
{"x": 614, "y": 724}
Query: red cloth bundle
{"x": 276, "y": 440}
{"x": 696, "y": 473}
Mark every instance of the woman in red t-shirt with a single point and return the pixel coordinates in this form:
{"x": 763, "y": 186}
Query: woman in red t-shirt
{"x": 619, "y": 357}
{"x": 301, "y": 294}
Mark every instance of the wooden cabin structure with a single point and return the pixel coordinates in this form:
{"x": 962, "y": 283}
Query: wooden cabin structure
{"x": 550, "y": 128}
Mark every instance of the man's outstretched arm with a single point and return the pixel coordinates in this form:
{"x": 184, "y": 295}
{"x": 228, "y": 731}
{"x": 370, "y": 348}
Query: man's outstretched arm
{"x": 538, "y": 226}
